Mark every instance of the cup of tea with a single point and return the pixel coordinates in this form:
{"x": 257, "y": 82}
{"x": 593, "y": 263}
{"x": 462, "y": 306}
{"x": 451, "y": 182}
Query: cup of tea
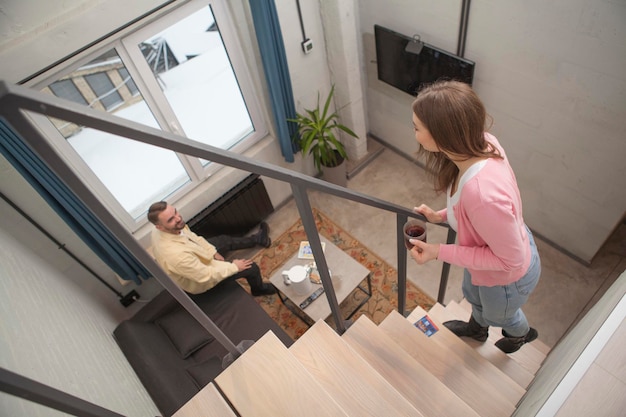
{"x": 414, "y": 229}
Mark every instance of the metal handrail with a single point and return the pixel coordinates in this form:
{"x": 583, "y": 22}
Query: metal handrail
{"x": 14, "y": 99}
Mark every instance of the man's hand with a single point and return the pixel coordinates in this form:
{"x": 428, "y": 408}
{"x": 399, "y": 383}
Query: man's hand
{"x": 242, "y": 264}
{"x": 423, "y": 252}
{"x": 218, "y": 257}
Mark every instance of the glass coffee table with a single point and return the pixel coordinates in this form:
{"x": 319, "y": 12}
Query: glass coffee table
{"x": 347, "y": 275}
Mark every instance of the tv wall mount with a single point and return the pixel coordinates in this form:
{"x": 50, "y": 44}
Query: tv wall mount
{"x": 415, "y": 45}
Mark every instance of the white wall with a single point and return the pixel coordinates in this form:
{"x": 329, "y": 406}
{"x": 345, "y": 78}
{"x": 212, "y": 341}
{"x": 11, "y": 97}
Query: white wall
{"x": 56, "y": 318}
{"x": 552, "y": 76}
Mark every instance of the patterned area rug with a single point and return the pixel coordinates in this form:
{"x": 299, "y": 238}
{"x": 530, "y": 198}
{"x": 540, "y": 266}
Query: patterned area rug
{"x": 384, "y": 277}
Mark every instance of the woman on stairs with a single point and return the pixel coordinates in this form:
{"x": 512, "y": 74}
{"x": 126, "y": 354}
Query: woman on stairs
{"x": 484, "y": 207}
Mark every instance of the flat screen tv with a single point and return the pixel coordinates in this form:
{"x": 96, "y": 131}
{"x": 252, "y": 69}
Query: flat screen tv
{"x": 408, "y": 71}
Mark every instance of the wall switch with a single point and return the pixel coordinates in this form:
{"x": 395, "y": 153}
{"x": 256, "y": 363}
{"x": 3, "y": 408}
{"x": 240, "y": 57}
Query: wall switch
{"x": 307, "y": 46}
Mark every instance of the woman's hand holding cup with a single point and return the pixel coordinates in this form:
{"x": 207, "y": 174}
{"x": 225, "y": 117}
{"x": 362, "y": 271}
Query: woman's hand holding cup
{"x": 423, "y": 252}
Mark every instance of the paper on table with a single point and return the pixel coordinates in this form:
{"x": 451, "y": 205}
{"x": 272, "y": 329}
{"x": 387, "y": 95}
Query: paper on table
{"x": 306, "y": 252}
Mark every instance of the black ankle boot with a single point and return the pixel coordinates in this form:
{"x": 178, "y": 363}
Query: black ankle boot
{"x": 510, "y": 344}
{"x": 468, "y": 329}
{"x": 263, "y": 235}
{"x": 264, "y": 289}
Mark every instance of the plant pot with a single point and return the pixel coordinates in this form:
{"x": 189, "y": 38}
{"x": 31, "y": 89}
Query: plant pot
{"x": 336, "y": 174}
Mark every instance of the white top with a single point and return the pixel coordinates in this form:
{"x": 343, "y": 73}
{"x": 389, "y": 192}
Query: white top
{"x": 454, "y": 199}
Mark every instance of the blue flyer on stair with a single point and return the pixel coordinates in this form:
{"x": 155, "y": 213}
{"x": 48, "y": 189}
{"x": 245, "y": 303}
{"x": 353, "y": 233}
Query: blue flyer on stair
{"x": 426, "y": 325}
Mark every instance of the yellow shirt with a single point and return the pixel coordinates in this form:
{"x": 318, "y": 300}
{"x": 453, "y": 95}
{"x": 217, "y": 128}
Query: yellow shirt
{"x": 188, "y": 259}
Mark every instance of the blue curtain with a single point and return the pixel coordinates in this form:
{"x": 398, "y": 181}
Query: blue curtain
{"x": 270, "y": 38}
{"x": 69, "y": 207}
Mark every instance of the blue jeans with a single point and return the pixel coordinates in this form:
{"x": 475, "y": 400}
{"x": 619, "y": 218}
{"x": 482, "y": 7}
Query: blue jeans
{"x": 500, "y": 306}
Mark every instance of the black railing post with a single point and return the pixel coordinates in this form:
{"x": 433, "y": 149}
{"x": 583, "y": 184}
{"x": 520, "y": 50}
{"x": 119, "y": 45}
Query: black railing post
{"x": 306, "y": 214}
{"x": 402, "y": 263}
{"x": 445, "y": 270}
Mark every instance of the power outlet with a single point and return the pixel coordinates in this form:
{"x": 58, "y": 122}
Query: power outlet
{"x": 129, "y": 298}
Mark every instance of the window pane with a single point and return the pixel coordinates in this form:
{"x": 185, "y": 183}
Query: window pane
{"x": 135, "y": 173}
{"x": 104, "y": 89}
{"x": 130, "y": 84}
{"x": 194, "y": 72}
{"x": 67, "y": 90}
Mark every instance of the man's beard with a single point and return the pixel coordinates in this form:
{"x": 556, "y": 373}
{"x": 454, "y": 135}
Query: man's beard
{"x": 180, "y": 225}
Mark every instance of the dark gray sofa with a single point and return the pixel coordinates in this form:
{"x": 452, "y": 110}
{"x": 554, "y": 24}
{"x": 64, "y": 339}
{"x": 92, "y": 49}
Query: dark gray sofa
{"x": 174, "y": 356}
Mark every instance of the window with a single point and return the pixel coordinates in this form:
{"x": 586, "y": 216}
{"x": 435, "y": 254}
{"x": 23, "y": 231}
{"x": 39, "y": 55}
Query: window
{"x": 193, "y": 70}
{"x": 181, "y": 73}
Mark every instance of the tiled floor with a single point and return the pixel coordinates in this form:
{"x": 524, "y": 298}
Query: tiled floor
{"x": 566, "y": 290}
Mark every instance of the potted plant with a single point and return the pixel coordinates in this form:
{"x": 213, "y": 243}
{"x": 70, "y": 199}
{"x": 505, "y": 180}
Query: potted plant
{"x": 317, "y": 130}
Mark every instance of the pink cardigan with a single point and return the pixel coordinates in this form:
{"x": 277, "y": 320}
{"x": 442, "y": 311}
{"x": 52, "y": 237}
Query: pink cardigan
{"x": 492, "y": 239}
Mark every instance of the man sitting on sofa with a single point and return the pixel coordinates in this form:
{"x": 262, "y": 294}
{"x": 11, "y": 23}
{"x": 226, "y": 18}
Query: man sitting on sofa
{"x": 195, "y": 264}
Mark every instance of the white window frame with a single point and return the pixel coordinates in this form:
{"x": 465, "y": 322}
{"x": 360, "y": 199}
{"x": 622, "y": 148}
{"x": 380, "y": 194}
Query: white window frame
{"x": 125, "y": 45}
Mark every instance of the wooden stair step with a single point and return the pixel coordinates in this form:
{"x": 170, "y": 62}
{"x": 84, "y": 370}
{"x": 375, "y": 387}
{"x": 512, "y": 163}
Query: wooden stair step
{"x": 484, "y": 369}
{"x": 528, "y": 357}
{"x": 206, "y": 403}
{"x": 267, "y": 380}
{"x": 422, "y": 389}
{"x": 488, "y": 351}
{"x": 479, "y": 392}
{"x": 355, "y": 385}
{"x": 537, "y": 343}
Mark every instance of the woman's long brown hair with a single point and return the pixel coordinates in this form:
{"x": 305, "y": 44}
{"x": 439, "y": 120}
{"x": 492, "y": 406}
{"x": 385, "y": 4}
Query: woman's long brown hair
{"x": 456, "y": 119}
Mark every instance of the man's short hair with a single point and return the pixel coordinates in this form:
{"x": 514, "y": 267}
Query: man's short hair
{"x": 154, "y": 211}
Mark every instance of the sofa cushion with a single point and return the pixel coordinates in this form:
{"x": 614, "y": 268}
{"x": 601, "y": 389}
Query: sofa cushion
{"x": 184, "y": 331}
{"x": 158, "y": 365}
{"x": 205, "y": 372}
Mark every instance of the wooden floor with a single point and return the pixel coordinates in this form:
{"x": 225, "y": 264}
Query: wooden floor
{"x": 385, "y": 370}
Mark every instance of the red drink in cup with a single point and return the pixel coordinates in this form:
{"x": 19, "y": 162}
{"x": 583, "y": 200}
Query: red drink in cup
{"x": 414, "y": 229}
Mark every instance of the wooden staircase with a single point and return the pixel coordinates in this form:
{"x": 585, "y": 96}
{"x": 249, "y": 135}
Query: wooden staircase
{"x": 392, "y": 369}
